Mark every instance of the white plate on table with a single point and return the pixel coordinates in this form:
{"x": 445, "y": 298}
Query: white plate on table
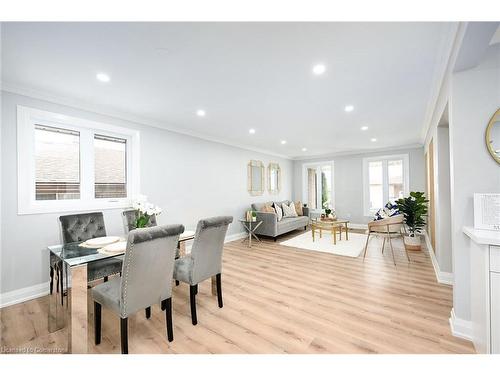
{"x": 117, "y": 247}
{"x": 102, "y": 241}
{"x": 187, "y": 234}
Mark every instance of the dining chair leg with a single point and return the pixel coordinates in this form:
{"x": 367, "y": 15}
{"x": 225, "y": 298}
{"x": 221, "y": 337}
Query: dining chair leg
{"x": 168, "y": 317}
{"x": 219, "y": 289}
{"x": 192, "y": 298}
{"x": 366, "y": 246}
{"x": 383, "y": 246}
{"x": 97, "y": 323}
{"x": 124, "y": 335}
{"x": 392, "y": 251}
{"x": 148, "y": 312}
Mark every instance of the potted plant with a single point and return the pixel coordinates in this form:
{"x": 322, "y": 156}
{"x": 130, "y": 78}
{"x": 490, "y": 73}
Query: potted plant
{"x": 254, "y": 216}
{"x": 328, "y": 211}
{"x": 414, "y": 209}
{"x": 145, "y": 211}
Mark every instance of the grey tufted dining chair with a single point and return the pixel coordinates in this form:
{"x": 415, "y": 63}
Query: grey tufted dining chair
{"x": 146, "y": 279}
{"x": 205, "y": 259}
{"x": 83, "y": 227}
{"x": 132, "y": 215}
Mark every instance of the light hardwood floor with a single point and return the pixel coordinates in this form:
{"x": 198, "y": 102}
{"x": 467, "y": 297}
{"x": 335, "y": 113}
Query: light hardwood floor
{"x": 278, "y": 299}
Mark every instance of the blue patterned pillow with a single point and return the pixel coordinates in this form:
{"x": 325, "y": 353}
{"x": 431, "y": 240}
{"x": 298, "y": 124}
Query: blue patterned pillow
{"x": 390, "y": 209}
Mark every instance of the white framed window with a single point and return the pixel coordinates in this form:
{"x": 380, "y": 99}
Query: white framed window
{"x": 385, "y": 179}
{"x": 71, "y": 164}
{"x": 317, "y": 185}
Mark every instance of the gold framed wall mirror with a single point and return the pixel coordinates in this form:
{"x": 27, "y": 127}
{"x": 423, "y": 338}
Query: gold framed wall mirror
{"x": 273, "y": 178}
{"x": 255, "y": 170}
{"x": 493, "y": 136}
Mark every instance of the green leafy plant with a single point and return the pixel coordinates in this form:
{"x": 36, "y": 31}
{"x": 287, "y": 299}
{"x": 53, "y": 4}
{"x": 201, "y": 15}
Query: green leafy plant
{"x": 144, "y": 211}
{"x": 142, "y": 220}
{"x": 328, "y": 211}
{"x": 414, "y": 209}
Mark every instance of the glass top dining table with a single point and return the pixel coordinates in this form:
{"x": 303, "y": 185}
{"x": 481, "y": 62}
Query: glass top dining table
{"x": 75, "y": 254}
{"x": 69, "y": 293}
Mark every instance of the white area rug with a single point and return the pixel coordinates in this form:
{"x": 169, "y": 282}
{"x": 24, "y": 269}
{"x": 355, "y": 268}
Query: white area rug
{"x": 350, "y": 248}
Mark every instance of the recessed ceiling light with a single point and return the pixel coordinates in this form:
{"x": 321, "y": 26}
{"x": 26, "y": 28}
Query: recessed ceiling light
{"x": 283, "y": 142}
{"x": 103, "y": 77}
{"x": 349, "y": 108}
{"x": 304, "y": 149}
{"x": 252, "y": 131}
{"x": 373, "y": 139}
{"x": 200, "y": 113}
{"x": 319, "y": 69}
{"x": 364, "y": 128}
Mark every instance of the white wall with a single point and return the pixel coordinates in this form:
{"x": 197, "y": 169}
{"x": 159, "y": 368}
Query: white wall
{"x": 348, "y": 180}
{"x": 189, "y": 178}
{"x": 475, "y": 96}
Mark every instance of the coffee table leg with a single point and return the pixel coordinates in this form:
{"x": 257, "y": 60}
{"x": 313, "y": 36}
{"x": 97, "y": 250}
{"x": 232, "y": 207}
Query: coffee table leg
{"x": 346, "y": 232}
{"x": 312, "y": 231}
{"x": 334, "y": 235}
{"x": 250, "y": 235}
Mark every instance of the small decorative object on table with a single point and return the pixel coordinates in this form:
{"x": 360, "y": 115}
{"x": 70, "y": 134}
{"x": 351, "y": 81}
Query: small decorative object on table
{"x": 254, "y": 216}
{"x": 144, "y": 211}
{"x": 413, "y": 208}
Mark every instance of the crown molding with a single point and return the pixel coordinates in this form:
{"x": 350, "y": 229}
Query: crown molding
{"x": 104, "y": 111}
{"x": 358, "y": 152}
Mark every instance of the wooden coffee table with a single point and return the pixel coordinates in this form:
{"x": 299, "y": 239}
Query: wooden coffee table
{"x": 332, "y": 226}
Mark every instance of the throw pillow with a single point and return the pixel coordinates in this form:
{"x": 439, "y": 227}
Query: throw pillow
{"x": 267, "y": 208}
{"x": 389, "y": 210}
{"x": 279, "y": 211}
{"x": 298, "y": 208}
{"x": 289, "y": 210}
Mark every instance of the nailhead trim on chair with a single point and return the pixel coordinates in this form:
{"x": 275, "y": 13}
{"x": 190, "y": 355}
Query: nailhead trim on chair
{"x": 127, "y": 270}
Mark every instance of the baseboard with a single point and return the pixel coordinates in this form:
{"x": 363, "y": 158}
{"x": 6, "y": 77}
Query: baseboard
{"x": 459, "y": 327}
{"x": 235, "y": 236}
{"x": 24, "y": 294}
{"x": 441, "y": 276}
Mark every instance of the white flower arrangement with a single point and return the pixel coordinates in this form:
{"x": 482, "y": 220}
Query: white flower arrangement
{"x": 144, "y": 210}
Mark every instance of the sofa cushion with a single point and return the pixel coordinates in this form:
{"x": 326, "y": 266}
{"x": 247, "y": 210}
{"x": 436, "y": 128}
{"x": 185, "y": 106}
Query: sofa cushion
{"x": 259, "y": 206}
{"x": 279, "y": 211}
{"x": 289, "y": 210}
{"x": 298, "y": 208}
{"x": 267, "y": 209}
{"x": 291, "y": 223}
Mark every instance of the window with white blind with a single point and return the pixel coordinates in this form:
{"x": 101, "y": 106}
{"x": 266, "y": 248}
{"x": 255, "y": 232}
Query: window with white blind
{"x": 385, "y": 179}
{"x": 71, "y": 164}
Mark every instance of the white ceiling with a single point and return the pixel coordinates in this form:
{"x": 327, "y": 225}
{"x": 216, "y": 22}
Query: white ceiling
{"x": 244, "y": 75}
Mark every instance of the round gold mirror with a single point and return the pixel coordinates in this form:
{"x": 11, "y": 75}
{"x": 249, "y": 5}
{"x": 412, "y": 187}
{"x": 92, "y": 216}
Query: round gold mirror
{"x": 493, "y": 136}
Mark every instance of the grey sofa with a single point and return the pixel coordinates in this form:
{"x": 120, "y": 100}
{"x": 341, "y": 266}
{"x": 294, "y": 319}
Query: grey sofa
{"x": 272, "y": 227}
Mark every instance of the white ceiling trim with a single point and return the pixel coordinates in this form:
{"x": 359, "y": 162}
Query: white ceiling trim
{"x": 359, "y": 152}
{"x": 77, "y": 104}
